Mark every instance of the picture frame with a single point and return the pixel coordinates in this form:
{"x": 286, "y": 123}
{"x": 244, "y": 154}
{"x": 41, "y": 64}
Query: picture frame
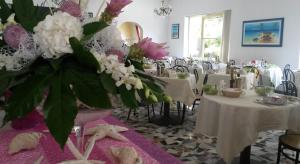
{"x": 175, "y": 31}
{"x": 263, "y": 33}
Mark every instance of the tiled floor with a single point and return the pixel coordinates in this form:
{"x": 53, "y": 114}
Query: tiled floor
{"x": 182, "y": 143}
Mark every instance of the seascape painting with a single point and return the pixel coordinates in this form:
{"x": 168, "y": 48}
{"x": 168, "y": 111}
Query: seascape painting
{"x": 175, "y": 31}
{"x": 266, "y": 33}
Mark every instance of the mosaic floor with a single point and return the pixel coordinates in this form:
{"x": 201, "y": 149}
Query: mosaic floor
{"x": 182, "y": 143}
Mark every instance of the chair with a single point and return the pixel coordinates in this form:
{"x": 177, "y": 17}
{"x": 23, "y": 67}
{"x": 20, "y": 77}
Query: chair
{"x": 198, "y": 96}
{"x": 142, "y": 105}
{"x": 231, "y": 62}
{"x": 288, "y": 74}
{"x": 179, "y": 61}
{"x": 180, "y": 68}
{"x": 287, "y": 88}
{"x": 290, "y": 142}
{"x": 207, "y": 66}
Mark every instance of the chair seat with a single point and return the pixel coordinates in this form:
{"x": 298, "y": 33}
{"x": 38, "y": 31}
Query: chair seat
{"x": 292, "y": 140}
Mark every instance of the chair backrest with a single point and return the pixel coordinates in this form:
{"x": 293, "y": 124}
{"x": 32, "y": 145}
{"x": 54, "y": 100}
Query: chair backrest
{"x": 204, "y": 82}
{"x": 196, "y": 75}
{"x": 287, "y": 88}
{"x": 231, "y": 62}
{"x": 288, "y": 74}
{"x": 206, "y": 65}
{"x": 180, "y": 68}
{"x": 179, "y": 61}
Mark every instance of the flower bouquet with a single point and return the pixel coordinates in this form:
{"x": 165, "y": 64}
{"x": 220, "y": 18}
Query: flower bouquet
{"x": 55, "y": 57}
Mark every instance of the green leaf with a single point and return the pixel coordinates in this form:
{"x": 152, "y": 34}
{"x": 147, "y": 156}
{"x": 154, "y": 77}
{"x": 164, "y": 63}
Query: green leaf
{"x": 128, "y": 97}
{"x": 27, "y": 14}
{"x": 60, "y": 109}
{"x": 26, "y": 96}
{"x": 5, "y": 11}
{"x": 88, "y": 88}
{"x": 108, "y": 83}
{"x": 94, "y": 27}
{"x": 91, "y": 28}
{"x": 83, "y": 55}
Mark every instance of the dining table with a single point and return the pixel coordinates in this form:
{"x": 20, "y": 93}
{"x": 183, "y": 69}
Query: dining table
{"x": 236, "y": 122}
{"x": 180, "y": 90}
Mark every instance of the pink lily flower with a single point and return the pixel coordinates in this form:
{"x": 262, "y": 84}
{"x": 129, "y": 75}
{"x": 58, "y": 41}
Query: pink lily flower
{"x": 114, "y": 8}
{"x": 70, "y": 7}
{"x": 153, "y": 50}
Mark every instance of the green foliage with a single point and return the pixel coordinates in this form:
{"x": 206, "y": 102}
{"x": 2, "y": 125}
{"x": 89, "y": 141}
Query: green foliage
{"x": 91, "y": 28}
{"x": 128, "y": 97}
{"x": 83, "y": 55}
{"x": 27, "y": 14}
{"x": 88, "y": 88}
{"x": 60, "y": 109}
{"x": 5, "y": 11}
{"x": 108, "y": 83}
{"x": 26, "y": 96}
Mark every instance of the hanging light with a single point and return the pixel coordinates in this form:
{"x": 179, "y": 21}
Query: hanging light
{"x": 164, "y": 10}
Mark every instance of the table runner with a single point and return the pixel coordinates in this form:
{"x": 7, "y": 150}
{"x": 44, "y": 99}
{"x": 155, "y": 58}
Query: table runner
{"x": 53, "y": 154}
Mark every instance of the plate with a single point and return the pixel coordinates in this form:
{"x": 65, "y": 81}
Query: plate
{"x": 271, "y": 100}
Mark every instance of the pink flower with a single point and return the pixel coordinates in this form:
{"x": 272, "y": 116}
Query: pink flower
{"x": 29, "y": 121}
{"x": 115, "y": 6}
{"x": 70, "y": 7}
{"x": 152, "y": 50}
{"x": 13, "y": 35}
{"x": 119, "y": 53}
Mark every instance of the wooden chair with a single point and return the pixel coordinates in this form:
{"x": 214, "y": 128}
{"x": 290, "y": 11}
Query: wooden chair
{"x": 199, "y": 95}
{"x": 180, "y": 62}
{"x": 206, "y": 65}
{"x": 287, "y": 88}
{"x": 142, "y": 105}
{"x": 180, "y": 68}
{"x": 289, "y": 142}
{"x": 288, "y": 74}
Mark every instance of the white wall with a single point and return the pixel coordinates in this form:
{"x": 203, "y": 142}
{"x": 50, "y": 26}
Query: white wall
{"x": 245, "y": 10}
{"x": 141, "y": 12}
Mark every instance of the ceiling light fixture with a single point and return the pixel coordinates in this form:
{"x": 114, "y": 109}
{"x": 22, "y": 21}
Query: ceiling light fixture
{"x": 164, "y": 10}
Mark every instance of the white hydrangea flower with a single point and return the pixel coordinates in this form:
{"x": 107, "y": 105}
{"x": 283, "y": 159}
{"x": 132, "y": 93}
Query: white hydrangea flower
{"x": 121, "y": 74}
{"x": 53, "y": 33}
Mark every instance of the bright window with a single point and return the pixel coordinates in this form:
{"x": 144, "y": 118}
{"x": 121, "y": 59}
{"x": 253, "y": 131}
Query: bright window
{"x": 205, "y": 36}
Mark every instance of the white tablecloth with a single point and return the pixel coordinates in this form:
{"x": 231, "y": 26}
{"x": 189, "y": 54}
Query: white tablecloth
{"x": 180, "y": 89}
{"x": 236, "y": 122}
{"x": 248, "y": 80}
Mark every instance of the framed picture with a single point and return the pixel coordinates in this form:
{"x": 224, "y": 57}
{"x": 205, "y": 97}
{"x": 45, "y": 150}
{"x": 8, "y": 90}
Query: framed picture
{"x": 263, "y": 33}
{"x": 175, "y": 31}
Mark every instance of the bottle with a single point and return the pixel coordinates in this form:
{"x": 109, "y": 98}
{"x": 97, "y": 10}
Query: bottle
{"x": 232, "y": 77}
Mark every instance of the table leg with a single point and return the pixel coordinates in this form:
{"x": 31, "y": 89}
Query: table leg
{"x": 166, "y": 119}
{"x": 245, "y": 155}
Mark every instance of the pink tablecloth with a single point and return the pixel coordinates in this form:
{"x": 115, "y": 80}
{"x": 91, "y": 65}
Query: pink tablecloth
{"x": 53, "y": 154}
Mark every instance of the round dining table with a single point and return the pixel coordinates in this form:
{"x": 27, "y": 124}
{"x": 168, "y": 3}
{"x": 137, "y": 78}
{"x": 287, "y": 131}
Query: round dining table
{"x": 236, "y": 122}
{"x": 181, "y": 90}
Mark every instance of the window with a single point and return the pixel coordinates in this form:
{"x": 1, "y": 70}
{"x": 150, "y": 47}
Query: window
{"x": 204, "y": 36}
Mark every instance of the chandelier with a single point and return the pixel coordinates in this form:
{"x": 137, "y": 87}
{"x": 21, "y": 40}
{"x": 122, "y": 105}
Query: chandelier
{"x": 164, "y": 10}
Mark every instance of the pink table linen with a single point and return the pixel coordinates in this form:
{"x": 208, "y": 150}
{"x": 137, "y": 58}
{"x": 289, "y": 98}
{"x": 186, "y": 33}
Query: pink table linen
{"x": 150, "y": 153}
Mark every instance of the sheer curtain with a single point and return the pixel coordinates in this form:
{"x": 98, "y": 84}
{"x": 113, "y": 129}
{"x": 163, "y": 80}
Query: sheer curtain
{"x": 226, "y": 35}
